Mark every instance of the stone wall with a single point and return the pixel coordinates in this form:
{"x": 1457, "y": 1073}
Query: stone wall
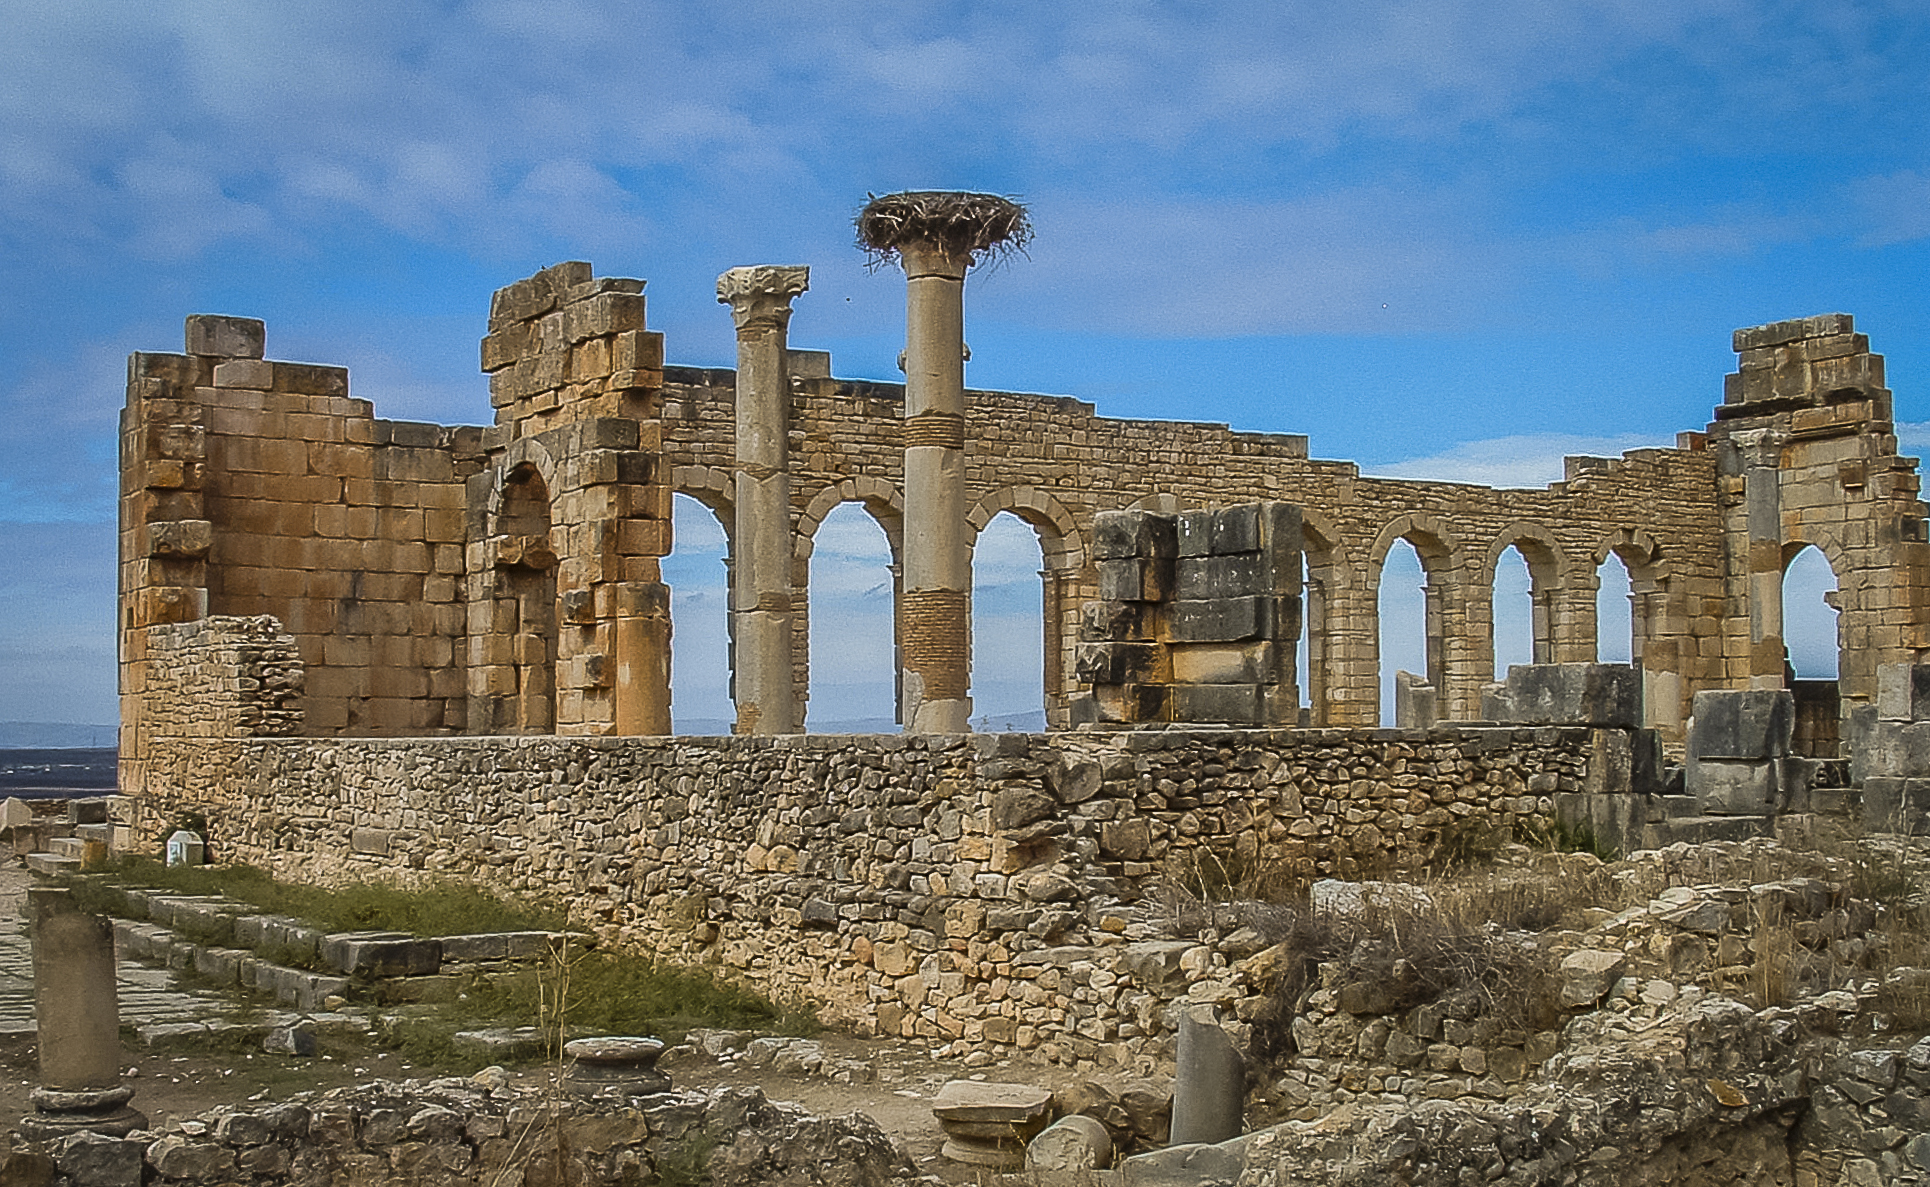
{"x": 461, "y": 1132}
{"x": 506, "y": 579}
{"x": 1055, "y": 463}
{"x": 222, "y": 677}
{"x": 994, "y": 892}
{"x": 253, "y": 487}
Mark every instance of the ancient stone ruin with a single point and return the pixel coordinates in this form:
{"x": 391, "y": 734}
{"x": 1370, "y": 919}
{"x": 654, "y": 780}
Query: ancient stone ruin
{"x": 367, "y": 648}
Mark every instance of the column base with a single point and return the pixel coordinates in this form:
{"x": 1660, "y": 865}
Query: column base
{"x": 60, "y": 1114}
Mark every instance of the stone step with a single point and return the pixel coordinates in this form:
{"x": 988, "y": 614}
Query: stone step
{"x": 1699, "y": 830}
{"x": 104, "y": 833}
{"x": 72, "y": 847}
{"x": 52, "y": 864}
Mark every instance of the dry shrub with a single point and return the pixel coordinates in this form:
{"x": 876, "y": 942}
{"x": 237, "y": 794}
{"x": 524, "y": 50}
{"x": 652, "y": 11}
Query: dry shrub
{"x": 969, "y": 227}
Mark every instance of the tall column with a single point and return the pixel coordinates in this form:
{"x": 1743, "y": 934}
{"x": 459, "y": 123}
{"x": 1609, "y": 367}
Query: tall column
{"x": 760, "y": 596}
{"x": 1762, "y": 451}
{"x": 936, "y": 236}
{"x": 937, "y": 671}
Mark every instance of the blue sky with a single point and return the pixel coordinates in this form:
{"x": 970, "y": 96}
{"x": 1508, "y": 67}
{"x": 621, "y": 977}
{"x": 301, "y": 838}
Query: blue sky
{"x": 1410, "y": 230}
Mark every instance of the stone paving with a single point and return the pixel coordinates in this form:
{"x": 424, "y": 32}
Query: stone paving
{"x": 147, "y": 995}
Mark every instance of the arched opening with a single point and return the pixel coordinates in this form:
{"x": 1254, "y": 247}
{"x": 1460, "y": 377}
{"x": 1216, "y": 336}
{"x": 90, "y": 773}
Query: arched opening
{"x": 528, "y": 611}
{"x": 1513, "y": 614}
{"x": 853, "y": 645}
{"x": 1614, "y": 612}
{"x": 1404, "y": 635}
{"x": 698, "y": 574}
{"x": 1810, "y": 642}
{"x": 1809, "y": 614}
{"x": 1008, "y": 627}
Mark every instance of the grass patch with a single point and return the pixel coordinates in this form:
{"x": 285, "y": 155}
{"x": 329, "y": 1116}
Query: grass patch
{"x": 438, "y": 909}
{"x": 588, "y": 993}
{"x": 619, "y": 993}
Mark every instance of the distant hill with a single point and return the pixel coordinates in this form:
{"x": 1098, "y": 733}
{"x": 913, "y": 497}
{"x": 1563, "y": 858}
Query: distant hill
{"x": 1029, "y": 722}
{"x": 55, "y": 735}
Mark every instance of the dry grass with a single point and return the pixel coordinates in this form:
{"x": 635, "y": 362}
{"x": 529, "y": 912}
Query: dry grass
{"x": 969, "y": 227}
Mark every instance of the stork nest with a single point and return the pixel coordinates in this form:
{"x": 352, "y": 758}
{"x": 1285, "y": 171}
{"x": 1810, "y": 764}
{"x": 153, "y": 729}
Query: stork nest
{"x": 971, "y": 227}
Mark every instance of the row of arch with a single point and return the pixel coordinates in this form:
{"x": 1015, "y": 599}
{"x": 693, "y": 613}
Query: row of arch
{"x": 1457, "y": 598}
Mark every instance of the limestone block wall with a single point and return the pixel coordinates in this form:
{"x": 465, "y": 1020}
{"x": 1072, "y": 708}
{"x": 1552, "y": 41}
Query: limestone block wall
{"x": 996, "y": 891}
{"x": 1808, "y": 456}
{"x": 568, "y": 616}
{"x": 251, "y": 487}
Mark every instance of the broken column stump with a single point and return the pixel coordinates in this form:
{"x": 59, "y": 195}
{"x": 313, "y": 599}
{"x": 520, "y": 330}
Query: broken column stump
{"x": 988, "y": 1124}
{"x": 79, "y": 1022}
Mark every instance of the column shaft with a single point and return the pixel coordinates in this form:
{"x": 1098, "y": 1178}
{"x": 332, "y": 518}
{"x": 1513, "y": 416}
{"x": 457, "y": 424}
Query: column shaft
{"x": 935, "y": 610}
{"x": 1762, "y": 507}
{"x": 761, "y": 553}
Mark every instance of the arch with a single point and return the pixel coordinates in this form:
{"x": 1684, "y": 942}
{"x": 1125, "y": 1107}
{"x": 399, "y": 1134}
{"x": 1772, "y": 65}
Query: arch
{"x": 810, "y": 598}
{"x": 1548, "y": 561}
{"x": 1432, "y": 540}
{"x": 881, "y": 500}
{"x": 1061, "y": 544}
{"x": 713, "y": 488}
{"x": 1328, "y": 576}
{"x": 523, "y": 457}
{"x": 1813, "y": 632}
{"x": 1548, "y": 580}
{"x": 1808, "y": 656}
{"x": 1003, "y": 668}
{"x": 1062, "y": 557}
{"x": 520, "y": 603}
{"x": 1441, "y": 558}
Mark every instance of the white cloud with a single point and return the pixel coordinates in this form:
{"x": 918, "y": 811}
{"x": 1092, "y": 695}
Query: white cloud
{"x": 1530, "y": 460}
{"x": 1913, "y": 437}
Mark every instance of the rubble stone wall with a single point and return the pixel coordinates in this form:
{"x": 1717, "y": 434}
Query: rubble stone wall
{"x": 996, "y": 891}
{"x": 223, "y": 677}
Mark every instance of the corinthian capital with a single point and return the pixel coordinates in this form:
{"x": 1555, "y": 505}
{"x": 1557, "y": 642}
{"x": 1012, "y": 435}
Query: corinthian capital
{"x": 761, "y": 295}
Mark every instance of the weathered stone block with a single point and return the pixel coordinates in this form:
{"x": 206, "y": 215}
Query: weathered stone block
{"x": 1201, "y": 578}
{"x": 1897, "y": 806}
{"x": 1903, "y": 692}
{"x": 1136, "y": 579}
{"x": 1893, "y": 749}
{"x": 1228, "y": 663}
{"x": 1741, "y": 723}
{"x": 1131, "y": 702}
{"x": 381, "y": 954}
{"x": 1221, "y": 620}
{"x": 226, "y": 337}
{"x": 1120, "y": 534}
{"x": 1122, "y": 620}
{"x": 1231, "y": 704}
{"x": 1116, "y": 663}
{"x": 180, "y": 539}
{"x": 1569, "y": 694}
{"x": 1735, "y": 787}
{"x": 1415, "y": 702}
